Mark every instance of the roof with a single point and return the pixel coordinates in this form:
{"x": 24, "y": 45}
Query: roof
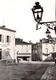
{"x": 19, "y": 41}
{"x": 4, "y": 28}
{"x": 36, "y": 43}
{"x": 48, "y": 40}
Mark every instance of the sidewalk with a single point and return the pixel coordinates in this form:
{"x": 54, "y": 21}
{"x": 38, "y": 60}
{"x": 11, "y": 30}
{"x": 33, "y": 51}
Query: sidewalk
{"x": 48, "y": 73}
{"x": 36, "y": 62}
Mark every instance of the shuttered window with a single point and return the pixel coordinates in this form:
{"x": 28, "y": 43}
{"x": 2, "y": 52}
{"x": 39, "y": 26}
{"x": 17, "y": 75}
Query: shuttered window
{"x": 53, "y": 48}
{"x": 8, "y": 39}
{"x": 0, "y": 37}
{"x": 46, "y": 50}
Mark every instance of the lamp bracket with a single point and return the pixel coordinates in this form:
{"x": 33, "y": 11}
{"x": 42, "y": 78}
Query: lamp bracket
{"x": 49, "y": 24}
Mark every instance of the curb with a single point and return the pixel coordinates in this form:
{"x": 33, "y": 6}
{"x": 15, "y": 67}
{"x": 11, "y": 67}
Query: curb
{"x": 47, "y": 74}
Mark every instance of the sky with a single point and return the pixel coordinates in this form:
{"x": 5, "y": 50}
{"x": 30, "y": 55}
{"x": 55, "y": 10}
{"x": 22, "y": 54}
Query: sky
{"x": 17, "y": 15}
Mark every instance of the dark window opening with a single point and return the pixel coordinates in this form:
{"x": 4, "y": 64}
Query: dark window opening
{"x": 24, "y": 58}
{"x": 0, "y": 53}
{"x": 0, "y": 37}
{"x": 7, "y": 38}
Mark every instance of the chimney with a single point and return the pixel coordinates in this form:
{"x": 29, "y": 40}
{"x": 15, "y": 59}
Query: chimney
{"x": 3, "y": 26}
{"x": 30, "y": 41}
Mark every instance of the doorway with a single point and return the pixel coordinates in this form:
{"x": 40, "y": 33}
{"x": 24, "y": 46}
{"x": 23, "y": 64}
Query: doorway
{"x": 25, "y": 58}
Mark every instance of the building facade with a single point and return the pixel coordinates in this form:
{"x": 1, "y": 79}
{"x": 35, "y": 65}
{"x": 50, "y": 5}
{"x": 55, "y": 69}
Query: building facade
{"x": 16, "y": 48}
{"x": 36, "y": 51}
{"x": 23, "y": 50}
{"x": 44, "y": 49}
{"x": 7, "y": 43}
{"x": 48, "y": 47}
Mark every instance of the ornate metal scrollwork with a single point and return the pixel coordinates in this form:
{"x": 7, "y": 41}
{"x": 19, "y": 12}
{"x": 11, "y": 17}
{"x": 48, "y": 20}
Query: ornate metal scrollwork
{"x": 50, "y": 24}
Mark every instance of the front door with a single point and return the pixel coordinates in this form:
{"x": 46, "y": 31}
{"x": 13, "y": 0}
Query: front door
{"x": 0, "y": 53}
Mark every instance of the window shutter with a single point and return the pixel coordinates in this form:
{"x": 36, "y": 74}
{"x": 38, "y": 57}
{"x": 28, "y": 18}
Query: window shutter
{"x": 9, "y": 39}
{"x": 6, "y": 39}
{"x": 2, "y": 38}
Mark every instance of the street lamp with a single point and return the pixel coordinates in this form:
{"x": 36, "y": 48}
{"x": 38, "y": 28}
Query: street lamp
{"x": 38, "y": 13}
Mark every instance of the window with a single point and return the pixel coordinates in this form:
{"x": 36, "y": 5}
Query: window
{"x": 26, "y": 50}
{"x": 53, "y": 48}
{"x": 27, "y": 45}
{"x": 46, "y": 50}
{"x": 7, "y": 52}
{"x": 7, "y": 38}
{"x": 0, "y": 37}
{"x": 46, "y": 45}
{"x": 17, "y": 52}
{"x": 22, "y": 45}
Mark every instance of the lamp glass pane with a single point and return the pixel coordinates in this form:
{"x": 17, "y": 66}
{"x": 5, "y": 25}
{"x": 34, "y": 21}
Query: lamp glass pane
{"x": 37, "y": 16}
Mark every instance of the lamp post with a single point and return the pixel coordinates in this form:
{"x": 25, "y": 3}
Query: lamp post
{"x": 38, "y": 13}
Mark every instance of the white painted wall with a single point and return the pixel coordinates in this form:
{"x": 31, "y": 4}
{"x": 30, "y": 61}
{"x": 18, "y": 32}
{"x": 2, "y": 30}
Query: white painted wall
{"x": 4, "y": 45}
{"x": 49, "y": 46}
{"x": 50, "y": 49}
{"x": 23, "y": 49}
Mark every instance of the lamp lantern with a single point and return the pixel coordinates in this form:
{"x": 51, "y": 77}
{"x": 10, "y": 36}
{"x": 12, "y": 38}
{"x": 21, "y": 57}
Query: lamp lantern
{"x": 37, "y": 12}
{"x": 48, "y": 33}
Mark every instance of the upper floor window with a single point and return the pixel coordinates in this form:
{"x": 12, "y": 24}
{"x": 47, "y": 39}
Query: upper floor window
{"x": 22, "y": 45}
{"x": 46, "y": 50}
{"x": 27, "y": 45}
{"x": 7, "y": 38}
{"x": 0, "y": 37}
{"x": 17, "y": 52}
{"x": 53, "y": 48}
{"x": 46, "y": 45}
